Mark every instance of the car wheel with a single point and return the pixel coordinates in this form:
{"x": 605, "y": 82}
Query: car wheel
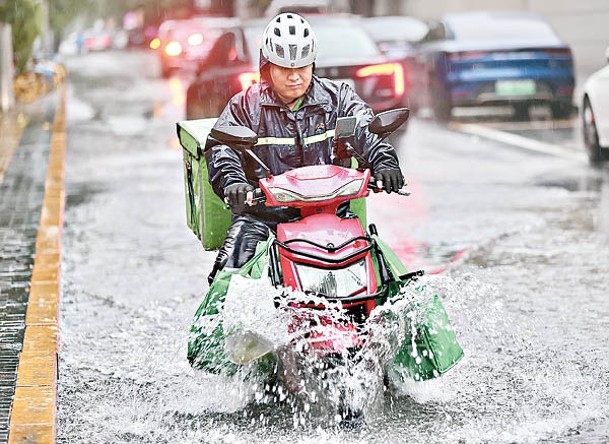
{"x": 197, "y": 105}
{"x": 561, "y": 110}
{"x": 440, "y": 102}
{"x": 595, "y": 152}
{"x": 521, "y": 111}
{"x": 165, "y": 72}
{"x": 195, "y": 110}
{"x": 412, "y": 105}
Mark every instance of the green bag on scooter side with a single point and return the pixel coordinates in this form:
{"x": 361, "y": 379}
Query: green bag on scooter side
{"x": 206, "y": 343}
{"x": 430, "y": 346}
{"x": 432, "y": 349}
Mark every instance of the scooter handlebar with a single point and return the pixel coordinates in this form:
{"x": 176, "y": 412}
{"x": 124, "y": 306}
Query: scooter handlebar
{"x": 376, "y": 189}
{"x": 258, "y": 197}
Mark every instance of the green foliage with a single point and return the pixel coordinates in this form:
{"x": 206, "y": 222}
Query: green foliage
{"x": 63, "y": 12}
{"x": 24, "y": 16}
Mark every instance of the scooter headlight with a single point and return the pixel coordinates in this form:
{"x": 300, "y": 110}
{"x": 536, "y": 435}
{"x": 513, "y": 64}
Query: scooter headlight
{"x": 337, "y": 283}
{"x": 351, "y": 188}
{"x": 283, "y": 195}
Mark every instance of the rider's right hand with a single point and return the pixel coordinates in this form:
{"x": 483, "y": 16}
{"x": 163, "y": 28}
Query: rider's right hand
{"x": 238, "y": 194}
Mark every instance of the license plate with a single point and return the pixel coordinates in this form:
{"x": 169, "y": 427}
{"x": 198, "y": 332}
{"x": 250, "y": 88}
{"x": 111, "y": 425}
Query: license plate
{"x": 515, "y": 87}
{"x": 349, "y": 82}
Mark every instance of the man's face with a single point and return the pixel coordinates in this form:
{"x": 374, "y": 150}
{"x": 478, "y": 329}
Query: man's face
{"x": 290, "y": 83}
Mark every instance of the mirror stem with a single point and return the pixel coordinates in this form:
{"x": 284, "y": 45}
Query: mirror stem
{"x": 267, "y": 171}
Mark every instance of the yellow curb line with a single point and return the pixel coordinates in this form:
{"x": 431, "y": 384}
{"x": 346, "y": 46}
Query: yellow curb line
{"x": 34, "y": 405}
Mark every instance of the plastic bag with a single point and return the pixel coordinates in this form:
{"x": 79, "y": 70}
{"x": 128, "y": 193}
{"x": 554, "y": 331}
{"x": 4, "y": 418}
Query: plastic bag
{"x": 430, "y": 346}
{"x": 206, "y": 343}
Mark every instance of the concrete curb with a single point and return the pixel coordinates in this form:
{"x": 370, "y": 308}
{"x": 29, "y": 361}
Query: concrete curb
{"x": 34, "y": 405}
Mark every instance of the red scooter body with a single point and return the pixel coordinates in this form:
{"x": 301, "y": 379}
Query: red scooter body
{"x": 322, "y": 253}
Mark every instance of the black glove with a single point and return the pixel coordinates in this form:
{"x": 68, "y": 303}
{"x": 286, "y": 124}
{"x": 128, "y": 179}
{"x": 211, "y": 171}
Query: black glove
{"x": 392, "y": 179}
{"x": 236, "y": 194}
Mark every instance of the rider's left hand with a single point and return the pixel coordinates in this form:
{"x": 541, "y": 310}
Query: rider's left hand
{"x": 389, "y": 180}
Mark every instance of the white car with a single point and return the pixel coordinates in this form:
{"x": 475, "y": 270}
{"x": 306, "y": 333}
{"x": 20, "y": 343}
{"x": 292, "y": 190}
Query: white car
{"x": 595, "y": 115}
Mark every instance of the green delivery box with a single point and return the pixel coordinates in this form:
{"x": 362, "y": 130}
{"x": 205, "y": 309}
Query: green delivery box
{"x": 206, "y": 214}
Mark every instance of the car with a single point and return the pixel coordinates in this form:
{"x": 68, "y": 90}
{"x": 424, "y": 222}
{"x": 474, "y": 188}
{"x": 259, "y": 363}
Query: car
{"x": 595, "y": 114}
{"x": 142, "y": 37}
{"x": 182, "y": 44}
{"x": 397, "y": 37}
{"x": 346, "y": 53}
{"x": 494, "y": 58}
{"x": 97, "y": 40}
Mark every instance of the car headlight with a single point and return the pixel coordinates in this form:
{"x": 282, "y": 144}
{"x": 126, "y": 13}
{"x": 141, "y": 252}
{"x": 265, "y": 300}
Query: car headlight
{"x": 337, "y": 283}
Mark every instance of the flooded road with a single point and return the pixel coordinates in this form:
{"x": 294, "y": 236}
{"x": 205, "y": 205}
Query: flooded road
{"x": 516, "y": 241}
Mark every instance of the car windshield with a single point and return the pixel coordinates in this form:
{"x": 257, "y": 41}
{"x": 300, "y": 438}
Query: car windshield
{"x": 385, "y": 29}
{"x": 508, "y": 27}
{"x": 333, "y": 42}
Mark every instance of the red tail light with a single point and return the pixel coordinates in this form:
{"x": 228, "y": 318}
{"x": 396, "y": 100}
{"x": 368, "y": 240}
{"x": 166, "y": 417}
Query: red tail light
{"x": 386, "y": 69}
{"x": 247, "y": 79}
{"x": 564, "y": 52}
{"x": 466, "y": 55}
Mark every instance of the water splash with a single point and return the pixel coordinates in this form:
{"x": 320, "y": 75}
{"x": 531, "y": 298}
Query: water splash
{"x": 349, "y": 383}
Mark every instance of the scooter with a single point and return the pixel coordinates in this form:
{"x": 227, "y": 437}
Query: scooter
{"x": 332, "y": 259}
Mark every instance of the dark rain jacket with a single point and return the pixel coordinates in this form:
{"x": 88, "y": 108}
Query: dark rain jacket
{"x": 290, "y": 139}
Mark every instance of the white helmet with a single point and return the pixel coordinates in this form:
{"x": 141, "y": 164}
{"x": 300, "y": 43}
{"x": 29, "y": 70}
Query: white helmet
{"x": 289, "y": 41}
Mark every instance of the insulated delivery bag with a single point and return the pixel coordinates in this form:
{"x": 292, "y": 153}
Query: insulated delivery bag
{"x": 206, "y": 214}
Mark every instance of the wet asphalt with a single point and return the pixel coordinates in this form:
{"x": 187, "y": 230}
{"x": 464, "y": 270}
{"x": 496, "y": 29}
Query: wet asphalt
{"x": 515, "y": 241}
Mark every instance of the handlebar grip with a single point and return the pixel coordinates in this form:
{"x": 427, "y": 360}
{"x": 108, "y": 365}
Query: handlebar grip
{"x": 259, "y": 196}
{"x": 374, "y": 188}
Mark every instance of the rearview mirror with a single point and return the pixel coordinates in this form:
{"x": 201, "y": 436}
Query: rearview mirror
{"x": 237, "y": 137}
{"x": 345, "y": 127}
{"x": 387, "y": 122}
{"x": 344, "y": 134}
